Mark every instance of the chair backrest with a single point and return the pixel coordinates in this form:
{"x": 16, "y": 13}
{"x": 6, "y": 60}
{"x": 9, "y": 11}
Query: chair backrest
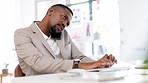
{"x": 18, "y": 72}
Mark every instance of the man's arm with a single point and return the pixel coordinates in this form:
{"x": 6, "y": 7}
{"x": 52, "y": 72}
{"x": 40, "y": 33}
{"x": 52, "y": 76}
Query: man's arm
{"x": 32, "y": 57}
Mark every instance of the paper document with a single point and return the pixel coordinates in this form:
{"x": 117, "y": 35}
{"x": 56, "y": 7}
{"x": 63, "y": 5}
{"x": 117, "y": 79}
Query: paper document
{"x": 109, "y": 69}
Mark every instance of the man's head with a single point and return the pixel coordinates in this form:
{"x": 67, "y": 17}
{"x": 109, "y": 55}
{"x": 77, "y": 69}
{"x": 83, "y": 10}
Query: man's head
{"x": 59, "y": 17}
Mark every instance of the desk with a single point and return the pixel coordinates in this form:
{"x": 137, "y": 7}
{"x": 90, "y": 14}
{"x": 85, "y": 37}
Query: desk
{"x": 68, "y": 78}
{"x": 4, "y": 75}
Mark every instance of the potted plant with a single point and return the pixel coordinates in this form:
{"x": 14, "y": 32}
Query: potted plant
{"x": 5, "y": 69}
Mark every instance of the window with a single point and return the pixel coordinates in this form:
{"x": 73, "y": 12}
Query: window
{"x": 103, "y": 19}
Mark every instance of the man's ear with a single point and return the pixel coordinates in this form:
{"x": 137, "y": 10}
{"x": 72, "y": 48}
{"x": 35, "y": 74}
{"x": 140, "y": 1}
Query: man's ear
{"x": 50, "y": 11}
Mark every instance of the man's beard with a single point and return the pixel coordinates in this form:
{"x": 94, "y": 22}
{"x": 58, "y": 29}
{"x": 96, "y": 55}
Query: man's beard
{"x": 54, "y": 34}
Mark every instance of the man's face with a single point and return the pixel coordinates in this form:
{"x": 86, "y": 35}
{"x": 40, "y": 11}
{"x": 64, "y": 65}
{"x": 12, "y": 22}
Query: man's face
{"x": 60, "y": 21}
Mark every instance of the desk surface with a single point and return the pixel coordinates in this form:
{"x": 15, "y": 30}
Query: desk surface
{"x": 131, "y": 77}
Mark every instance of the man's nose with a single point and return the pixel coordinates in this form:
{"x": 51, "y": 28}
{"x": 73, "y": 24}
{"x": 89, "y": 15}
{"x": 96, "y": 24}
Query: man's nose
{"x": 63, "y": 25}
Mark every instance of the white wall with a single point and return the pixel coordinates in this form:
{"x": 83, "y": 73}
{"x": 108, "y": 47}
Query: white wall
{"x": 28, "y": 12}
{"x": 14, "y": 14}
{"x": 134, "y": 29}
{"x": 10, "y": 19}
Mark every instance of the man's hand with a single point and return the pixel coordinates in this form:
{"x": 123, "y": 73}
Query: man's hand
{"x": 105, "y": 62}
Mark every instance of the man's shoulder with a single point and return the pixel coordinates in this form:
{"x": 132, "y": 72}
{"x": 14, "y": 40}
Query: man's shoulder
{"x": 21, "y": 29}
{"x": 26, "y": 28}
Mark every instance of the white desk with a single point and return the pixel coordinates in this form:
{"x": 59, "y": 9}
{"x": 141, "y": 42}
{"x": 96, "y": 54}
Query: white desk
{"x": 131, "y": 77}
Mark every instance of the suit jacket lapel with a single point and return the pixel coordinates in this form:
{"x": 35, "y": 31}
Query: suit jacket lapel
{"x": 62, "y": 49}
{"x": 41, "y": 38}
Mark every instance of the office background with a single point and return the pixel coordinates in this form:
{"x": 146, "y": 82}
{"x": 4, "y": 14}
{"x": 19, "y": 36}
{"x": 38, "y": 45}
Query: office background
{"x": 119, "y": 27}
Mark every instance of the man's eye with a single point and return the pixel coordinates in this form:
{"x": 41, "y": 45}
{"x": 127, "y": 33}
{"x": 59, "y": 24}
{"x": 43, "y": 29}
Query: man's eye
{"x": 64, "y": 17}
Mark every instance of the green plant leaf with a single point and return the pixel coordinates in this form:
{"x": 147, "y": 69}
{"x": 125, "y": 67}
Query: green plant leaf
{"x": 143, "y": 66}
{"x": 146, "y": 61}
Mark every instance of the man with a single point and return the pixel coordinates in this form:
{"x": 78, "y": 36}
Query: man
{"x": 45, "y": 47}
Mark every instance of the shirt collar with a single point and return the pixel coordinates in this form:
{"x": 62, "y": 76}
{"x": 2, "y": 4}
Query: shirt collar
{"x": 45, "y": 36}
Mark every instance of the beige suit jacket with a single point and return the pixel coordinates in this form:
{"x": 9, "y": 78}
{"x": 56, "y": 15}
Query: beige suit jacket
{"x": 36, "y": 57}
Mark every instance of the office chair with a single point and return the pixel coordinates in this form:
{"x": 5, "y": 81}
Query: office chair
{"x": 18, "y": 72}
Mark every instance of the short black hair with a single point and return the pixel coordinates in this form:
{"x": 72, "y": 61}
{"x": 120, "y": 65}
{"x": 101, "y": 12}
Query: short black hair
{"x": 63, "y": 6}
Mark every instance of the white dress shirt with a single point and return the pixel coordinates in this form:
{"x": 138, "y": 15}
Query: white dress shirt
{"x": 52, "y": 43}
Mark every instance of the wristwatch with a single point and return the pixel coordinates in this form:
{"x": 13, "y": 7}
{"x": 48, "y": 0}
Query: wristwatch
{"x": 75, "y": 63}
